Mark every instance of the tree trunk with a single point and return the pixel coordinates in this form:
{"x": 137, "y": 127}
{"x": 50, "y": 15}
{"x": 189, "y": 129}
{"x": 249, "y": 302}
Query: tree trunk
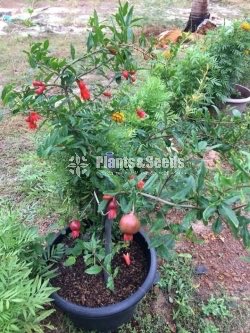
{"x": 199, "y": 12}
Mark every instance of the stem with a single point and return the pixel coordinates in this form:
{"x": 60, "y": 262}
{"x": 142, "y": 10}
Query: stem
{"x": 239, "y": 207}
{"x": 169, "y": 203}
{"x": 108, "y": 243}
{"x": 165, "y": 182}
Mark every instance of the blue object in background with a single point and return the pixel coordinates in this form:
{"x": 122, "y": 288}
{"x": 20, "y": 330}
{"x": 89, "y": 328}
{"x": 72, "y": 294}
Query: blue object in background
{"x": 7, "y": 18}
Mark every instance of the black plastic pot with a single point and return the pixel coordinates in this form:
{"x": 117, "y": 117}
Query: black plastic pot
{"x": 110, "y": 317}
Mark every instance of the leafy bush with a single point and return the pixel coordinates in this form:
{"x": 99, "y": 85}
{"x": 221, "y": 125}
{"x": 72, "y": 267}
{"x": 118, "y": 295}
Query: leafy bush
{"x": 205, "y": 74}
{"x": 228, "y": 46}
{"x": 24, "y": 283}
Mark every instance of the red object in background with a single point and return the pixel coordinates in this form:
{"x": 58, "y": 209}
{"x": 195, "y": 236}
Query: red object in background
{"x": 107, "y": 94}
{"x": 140, "y": 184}
{"x": 32, "y": 119}
{"x": 40, "y": 87}
{"x": 84, "y": 91}
{"x": 141, "y": 113}
{"x": 125, "y": 74}
{"x": 127, "y": 259}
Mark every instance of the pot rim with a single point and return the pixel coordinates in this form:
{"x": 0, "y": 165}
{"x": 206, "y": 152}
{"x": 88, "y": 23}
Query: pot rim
{"x": 239, "y": 100}
{"x": 111, "y": 309}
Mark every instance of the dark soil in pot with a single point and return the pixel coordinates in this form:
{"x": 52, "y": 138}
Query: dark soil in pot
{"x": 90, "y": 290}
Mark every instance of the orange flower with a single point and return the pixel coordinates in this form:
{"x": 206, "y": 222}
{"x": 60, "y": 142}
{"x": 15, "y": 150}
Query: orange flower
{"x": 118, "y": 117}
{"x": 245, "y": 26}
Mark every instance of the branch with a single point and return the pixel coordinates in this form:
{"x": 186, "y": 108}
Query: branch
{"x": 239, "y": 207}
{"x": 108, "y": 243}
{"x": 169, "y": 203}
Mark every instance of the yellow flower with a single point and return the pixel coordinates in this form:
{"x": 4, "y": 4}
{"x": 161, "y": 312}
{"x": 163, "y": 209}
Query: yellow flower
{"x": 118, "y": 117}
{"x": 245, "y": 26}
{"x": 247, "y": 52}
{"x": 167, "y": 54}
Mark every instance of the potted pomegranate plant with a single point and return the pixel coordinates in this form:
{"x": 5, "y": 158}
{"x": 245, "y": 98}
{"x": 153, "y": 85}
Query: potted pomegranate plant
{"x": 101, "y": 279}
{"x": 115, "y": 135}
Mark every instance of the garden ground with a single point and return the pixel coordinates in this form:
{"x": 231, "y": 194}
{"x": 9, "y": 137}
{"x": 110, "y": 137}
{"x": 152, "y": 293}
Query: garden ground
{"x": 25, "y": 181}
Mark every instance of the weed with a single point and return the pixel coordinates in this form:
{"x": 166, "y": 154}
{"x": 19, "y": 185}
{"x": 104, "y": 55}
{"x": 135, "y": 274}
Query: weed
{"x": 216, "y": 307}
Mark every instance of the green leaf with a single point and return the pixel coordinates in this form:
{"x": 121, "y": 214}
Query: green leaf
{"x": 189, "y": 217}
{"x": 6, "y": 90}
{"x": 102, "y": 205}
{"x": 229, "y": 214}
{"x": 159, "y": 224}
{"x": 93, "y": 270}
{"x": 150, "y": 182}
{"x": 126, "y": 206}
{"x": 202, "y": 145}
{"x": 201, "y": 177}
{"x": 182, "y": 194}
{"x": 72, "y": 51}
{"x": 217, "y": 226}
{"x": 70, "y": 261}
{"x": 46, "y": 44}
{"x": 208, "y": 212}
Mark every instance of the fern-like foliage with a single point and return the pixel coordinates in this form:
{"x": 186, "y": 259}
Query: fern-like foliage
{"x": 23, "y": 291}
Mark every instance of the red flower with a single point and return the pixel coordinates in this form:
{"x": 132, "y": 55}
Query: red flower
{"x": 127, "y": 259}
{"x": 75, "y": 234}
{"x": 141, "y": 113}
{"x": 40, "y": 90}
{"x": 32, "y": 119}
{"x": 85, "y": 94}
{"x": 140, "y": 184}
{"x": 38, "y": 83}
{"x": 125, "y": 74}
{"x": 40, "y": 87}
{"x": 107, "y": 94}
{"x": 131, "y": 177}
{"x": 127, "y": 238}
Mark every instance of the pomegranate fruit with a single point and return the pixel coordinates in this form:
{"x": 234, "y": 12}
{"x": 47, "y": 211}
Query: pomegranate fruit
{"x": 129, "y": 224}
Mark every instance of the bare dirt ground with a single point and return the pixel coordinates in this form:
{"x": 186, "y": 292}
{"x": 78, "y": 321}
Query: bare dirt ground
{"x": 72, "y": 16}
